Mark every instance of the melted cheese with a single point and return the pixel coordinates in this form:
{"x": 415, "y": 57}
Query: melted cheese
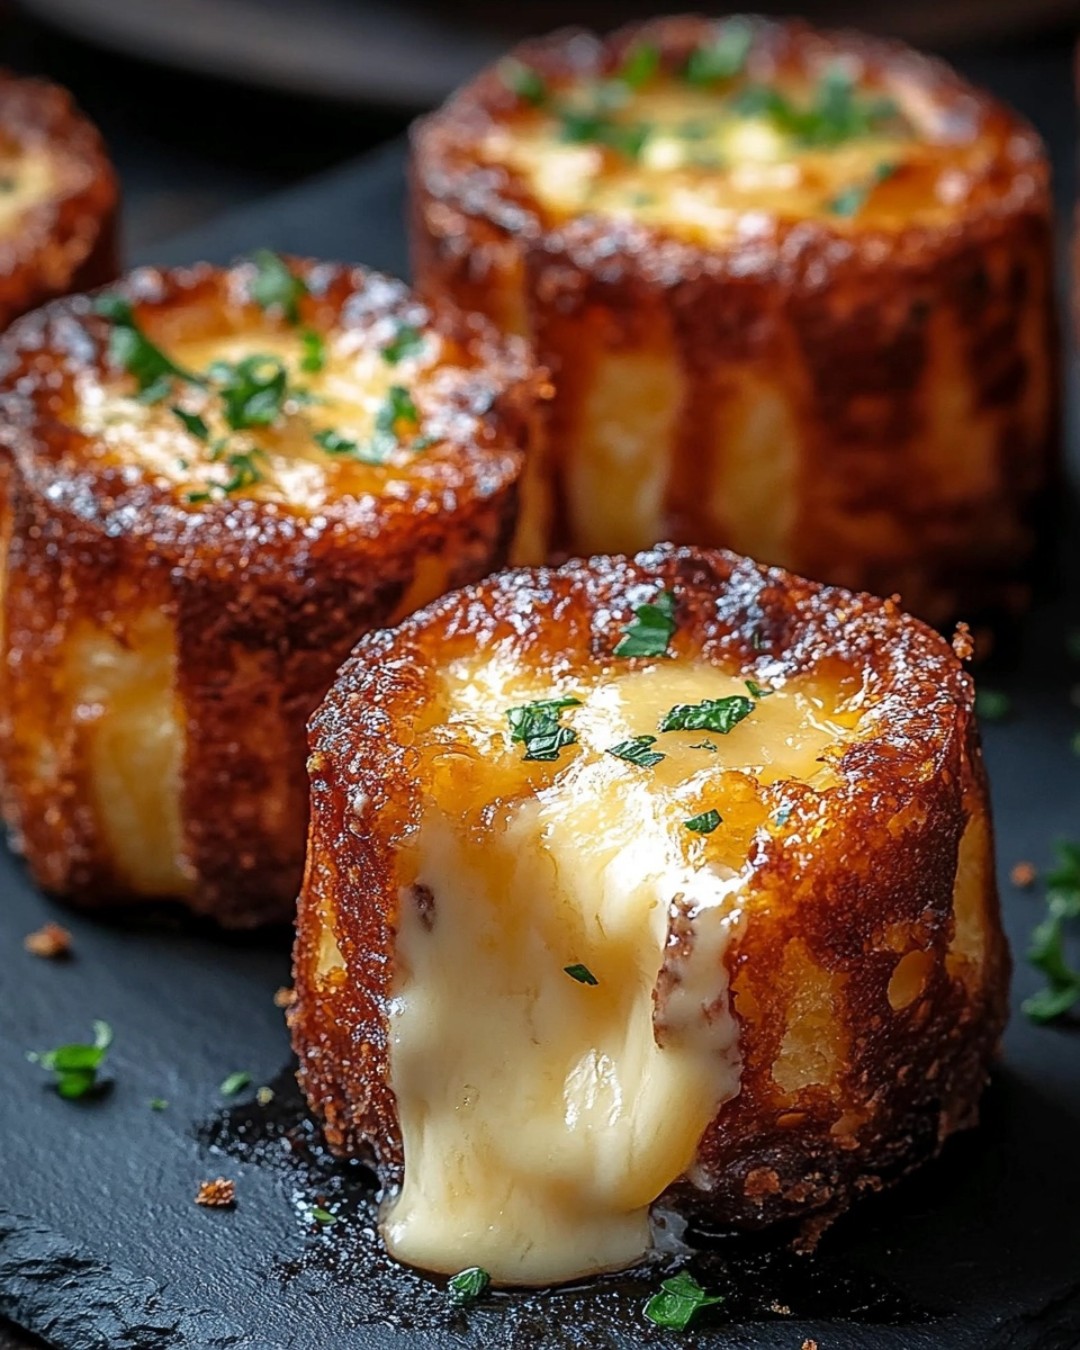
{"x": 26, "y": 180}
{"x": 540, "y": 1116}
{"x": 708, "y": 172}
{"x": 346, "y": 396}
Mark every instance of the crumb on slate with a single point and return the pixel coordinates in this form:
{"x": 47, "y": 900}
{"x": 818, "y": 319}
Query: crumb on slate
{"x": 1023, "y": 875}
{"x": 962, "y": 643}
{"x": 264, "y": 1096}
{"x": 809, "y": 1345}
{"x": 50, "y": 941}
{"x": 284, "y": 998}
{"x": 217, "y": 1193}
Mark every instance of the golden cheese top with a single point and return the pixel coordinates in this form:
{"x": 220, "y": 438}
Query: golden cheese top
{"x": 275, "y": 413}
{"x": 723, "y": 140}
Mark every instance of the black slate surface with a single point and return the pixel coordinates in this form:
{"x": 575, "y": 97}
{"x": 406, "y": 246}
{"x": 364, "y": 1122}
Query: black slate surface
{"x": 102, "y": 1246}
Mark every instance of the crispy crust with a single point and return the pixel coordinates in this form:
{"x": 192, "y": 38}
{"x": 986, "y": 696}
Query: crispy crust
{"x": 865, "y": 878}
{"x": 915, "y": 367}
{"x": 262, "y": 601}
{"x": 69, "y": 241}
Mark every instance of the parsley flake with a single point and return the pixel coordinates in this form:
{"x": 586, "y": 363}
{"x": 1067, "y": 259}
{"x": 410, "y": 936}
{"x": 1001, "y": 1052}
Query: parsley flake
{"x": 253, "y": 390}
{"x": 193, "y": 423}
{"x": 323, "y": 1216}
{"x": 276, "y": 286}
{"x": 581, "y": 973}
{"x": 651, "y": 628}
{"x": 640, "y": 65}
{"x": 76, "y": 1066}
{"x": 537, "y": 726}
{"x": 158, "y": 1104}
{"x": 1047, "y": 950}
{"x": 528, "y": 84}
{"x": 711, "y": 714}
{"x": 636, "y": 751}
{"x": 236, "y": 1082}
{"x": 852, "y": 199}
{"x": 838, "y": 111}
{"x": 131, "y": 350}
{"x": 408, "y": 341}
{"x": 680, "y": 1300}
{"x": 704, "y": 823}
{"x": 468, "y": 1285}
{"x": 724, "y": 57}
{"x": 312, "y": 351}
{"x": 758, "y": 690}
{"x": 706, "y": 745}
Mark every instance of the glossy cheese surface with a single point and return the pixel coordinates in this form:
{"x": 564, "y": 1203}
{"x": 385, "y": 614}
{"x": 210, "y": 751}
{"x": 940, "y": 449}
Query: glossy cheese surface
{"x": 348, "y": 397}
{"x": 724, "y": 160}
{"x": 541, "y": 1115}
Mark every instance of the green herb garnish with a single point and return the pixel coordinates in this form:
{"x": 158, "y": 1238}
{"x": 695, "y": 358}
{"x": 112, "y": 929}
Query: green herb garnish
{"x": 581, "y": 973}
{"x": 158, "y": 1104}
{"x": 323, "y": 1216}
{"x": 537, "y": 726}
{"x": 651, "y": 628}
{"x": 193, "y": 423}
{"x": 1047, "y": 950}
{"x": 837, "y": 113}
{"x": 528, "y": 84}
{"x": 594, "y": 126}
{"x": 408, "y": 341}
{"x": 468, "y": 1285}
{"x": 76, "y": 1066}
{"x": 711, "y": 714}
{"x": 236, "y": 1082}
{"x": 705, "y": 823}
{"x": 724, "y": 57}
{"x": 636, "y": 751}
{"x": 132, "y": 350}
{"x": 852, "y": 199}
{"x": 640, "y": 65}
{"x": 253, "y": 390}
{"x": 276, "y": 286}
{"x": 706, "y": 745}
{"x": 312, "y": 351}
{"x": 758, "y": 690}
{"x": 992, "y": 705}
{"x": 680, "y": 1300}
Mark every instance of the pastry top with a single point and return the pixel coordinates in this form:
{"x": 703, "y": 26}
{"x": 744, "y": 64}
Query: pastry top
{"x": 780, "y": 703}
{"x": 57, "y": 187}
{"x": 730, "y": 135}
{"x": 273, "y": 399}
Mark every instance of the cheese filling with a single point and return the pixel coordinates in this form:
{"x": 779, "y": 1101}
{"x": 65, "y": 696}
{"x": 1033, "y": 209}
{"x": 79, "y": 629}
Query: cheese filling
{"x": 560, "y": 1028}
{"x": 26, "y": 180}
{"x": 351, "y": 426}
{"x": 721, "y": 159}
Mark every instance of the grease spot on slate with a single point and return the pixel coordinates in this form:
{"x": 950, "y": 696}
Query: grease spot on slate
{"x": 760, "y": 1277}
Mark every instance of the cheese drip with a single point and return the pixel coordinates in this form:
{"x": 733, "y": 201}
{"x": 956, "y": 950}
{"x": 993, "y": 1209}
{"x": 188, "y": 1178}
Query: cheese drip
{"x": 541, "y": 1116}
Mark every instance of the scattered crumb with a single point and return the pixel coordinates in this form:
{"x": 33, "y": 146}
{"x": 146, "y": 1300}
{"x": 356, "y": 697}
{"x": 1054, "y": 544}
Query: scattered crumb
{"x": 809, "y": 1345}
{"x": 217, "y": 1194}
{"x": 284, "y": 998}
{"x": 781, "y": 1309}
{"x": 264, "y": 1096}
{"x": 50, "y": 941}
{"x": 1023, "y": 875}
{"x": 962, "y": 645}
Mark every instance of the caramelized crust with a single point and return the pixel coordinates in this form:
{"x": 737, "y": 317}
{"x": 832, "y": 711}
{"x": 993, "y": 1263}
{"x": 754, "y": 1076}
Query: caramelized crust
{"x": 58, "y": 234}
{"x": 164, "y": 647}
{"x": 863, "y": 393}
{"x": 869, "y": 975}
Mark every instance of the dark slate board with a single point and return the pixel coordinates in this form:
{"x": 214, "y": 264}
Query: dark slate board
{"x": 101, "y": 1245}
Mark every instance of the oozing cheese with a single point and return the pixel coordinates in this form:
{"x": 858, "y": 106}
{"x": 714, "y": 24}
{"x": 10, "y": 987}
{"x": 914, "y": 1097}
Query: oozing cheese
{"x": 346, "y": 396}
{"x": 710, "y": 169}
{"x": 541, "y": 1116}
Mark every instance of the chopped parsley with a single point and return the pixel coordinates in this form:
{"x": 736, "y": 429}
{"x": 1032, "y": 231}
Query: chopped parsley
{"x": 407, "y": 341}
{"x": 323, "y": 1216}
{"x": 852, "y": 199}
{"x": 158, "y": 1104}
{"x": 193, "y": 423}
{"x": 640, "y": 65}
{"x": 312, "y": 351}
{"x": 706, "y": 745}
{"x": 468, "y": 1285}
{"x": 992, "y": 705}
{"x": 528, "y": 84}
{"x": 680, "y": 1300}
{"x": 276, "y": 286}
{"x": 711, "y": 714}
{"x": 636, "y": 751}
{"x": 537, "y": 726}
{"x": 1047, "y": 950}
{"x": 651, "y": 628}
{"x": 581, "y": 973}
{"x": 724, "y": 57}
{"x": 76, "y": 1066}
{"x": 837, "y": 113}
{"x": 758, "y": 690}
{"x": 595, "y": 126}
{"x": 236, "y": 1082}
{"x": 704, "y": 823}
{"x": 131, "y": 350}
{"x": 253, "y": 390}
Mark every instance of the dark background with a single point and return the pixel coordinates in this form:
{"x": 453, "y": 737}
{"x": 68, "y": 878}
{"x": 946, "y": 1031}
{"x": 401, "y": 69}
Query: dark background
{"x": 208, "y": 105}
